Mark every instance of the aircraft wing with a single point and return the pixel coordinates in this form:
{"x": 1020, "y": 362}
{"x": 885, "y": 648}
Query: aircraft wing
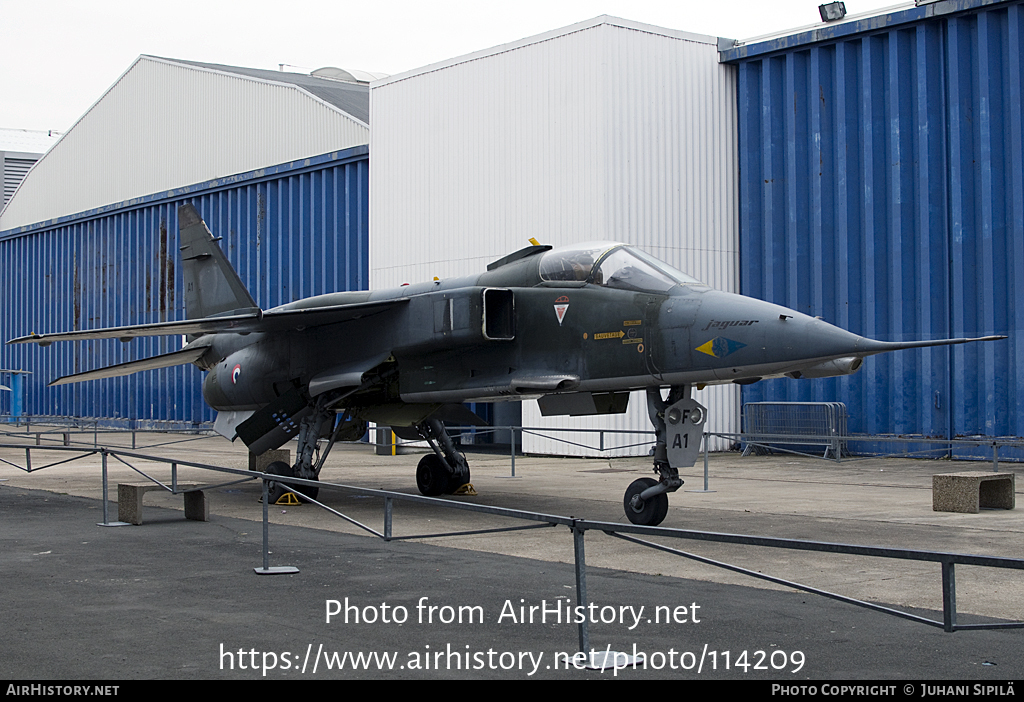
{"x": 188, "y": 354}
{"x": 245, "y": 323}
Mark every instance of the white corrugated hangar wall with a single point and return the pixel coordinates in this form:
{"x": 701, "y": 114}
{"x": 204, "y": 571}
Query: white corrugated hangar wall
{"x": 607, "y": 129}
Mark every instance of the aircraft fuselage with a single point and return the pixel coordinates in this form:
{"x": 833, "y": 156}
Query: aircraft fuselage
{"x": 492, "y": 337}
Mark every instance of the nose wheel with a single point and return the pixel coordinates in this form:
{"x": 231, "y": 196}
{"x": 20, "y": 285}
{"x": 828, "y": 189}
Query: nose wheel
{"x": 645, "y": 512}
{"x": 678, "y": 424}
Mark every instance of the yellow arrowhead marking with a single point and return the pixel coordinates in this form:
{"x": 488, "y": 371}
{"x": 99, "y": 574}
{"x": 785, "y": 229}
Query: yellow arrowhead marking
{"x": 706, "y": 348}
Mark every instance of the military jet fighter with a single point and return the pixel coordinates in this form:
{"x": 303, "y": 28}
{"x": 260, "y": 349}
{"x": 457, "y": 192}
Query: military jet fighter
{"x": 576, "y": 327}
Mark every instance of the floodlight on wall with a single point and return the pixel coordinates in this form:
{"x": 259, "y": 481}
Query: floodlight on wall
{"x": 830, "y": 12}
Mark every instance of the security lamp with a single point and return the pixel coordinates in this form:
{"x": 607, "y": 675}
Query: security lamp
{"x": 832, "y": 11}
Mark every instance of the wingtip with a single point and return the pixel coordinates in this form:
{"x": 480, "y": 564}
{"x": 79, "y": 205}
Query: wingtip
{"x": 28, "y": 338}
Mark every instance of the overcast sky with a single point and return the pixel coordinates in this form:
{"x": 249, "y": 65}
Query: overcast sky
{"x": 57, "y": 58}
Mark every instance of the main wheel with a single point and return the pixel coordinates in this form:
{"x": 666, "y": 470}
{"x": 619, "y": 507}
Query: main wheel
{"x": 651, "y": 512}
{"x": 276, "y": 491}
{"x": 307, "y": 490}
{"x": 432, "y": 476}
{"x": 457, "y": 481}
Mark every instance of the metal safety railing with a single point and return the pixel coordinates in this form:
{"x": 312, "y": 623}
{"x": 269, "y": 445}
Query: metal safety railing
{"x": 578, "y": 528}
{"x": 549, "y": 432}
{"x": 70, "y": 430}
{"x": 931, "y": 446}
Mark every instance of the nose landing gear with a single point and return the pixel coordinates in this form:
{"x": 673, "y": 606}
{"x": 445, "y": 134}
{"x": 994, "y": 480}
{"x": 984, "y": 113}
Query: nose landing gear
{"x": 679, "y": 425}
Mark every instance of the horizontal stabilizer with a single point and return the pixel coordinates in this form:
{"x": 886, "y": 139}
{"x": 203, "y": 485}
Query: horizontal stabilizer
{"x": 248, "y": 323}
{"x": 189, "y": 354}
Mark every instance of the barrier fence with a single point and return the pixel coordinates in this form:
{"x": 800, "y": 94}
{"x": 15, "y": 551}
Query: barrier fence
{"x": 578, "y": 527}
{"x": 769, "y": 427}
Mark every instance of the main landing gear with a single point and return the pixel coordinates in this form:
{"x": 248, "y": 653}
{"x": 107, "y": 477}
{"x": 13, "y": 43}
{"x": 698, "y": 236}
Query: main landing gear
{"x": 679, "y": 425}
{"x": 445, "y": 471}
{"x": 309, "y": 458}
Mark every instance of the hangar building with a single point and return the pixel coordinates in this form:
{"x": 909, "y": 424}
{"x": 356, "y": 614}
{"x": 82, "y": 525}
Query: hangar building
{"x": 867, "y": 171}
{"x": 19, "y": 150}
{"x": 89, "y": 238}
{"x": 632, "y": 139}
{"x": 882, "y": 188}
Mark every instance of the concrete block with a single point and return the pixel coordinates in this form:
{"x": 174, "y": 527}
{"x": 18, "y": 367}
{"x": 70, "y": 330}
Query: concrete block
{"x": 969, "y": 491}
{"x": 196, "y": 507}
{"x": 260, "y": 462}
{"x": 129, "y": 502}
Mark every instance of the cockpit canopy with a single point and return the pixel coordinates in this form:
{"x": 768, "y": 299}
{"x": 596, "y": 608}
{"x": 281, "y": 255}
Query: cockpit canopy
{"x": 612, "y": 266}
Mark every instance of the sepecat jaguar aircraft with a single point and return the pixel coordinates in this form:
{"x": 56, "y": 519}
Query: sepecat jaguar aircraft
{"x": 576, "y": 327}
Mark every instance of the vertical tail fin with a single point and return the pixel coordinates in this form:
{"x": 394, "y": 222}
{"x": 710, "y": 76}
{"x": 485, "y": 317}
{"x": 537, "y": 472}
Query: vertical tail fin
{"x": 211, "y": 285}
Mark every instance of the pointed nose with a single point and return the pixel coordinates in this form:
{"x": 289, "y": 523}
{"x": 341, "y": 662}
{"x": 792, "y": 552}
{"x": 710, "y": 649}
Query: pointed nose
{"x": 773, "y": 333}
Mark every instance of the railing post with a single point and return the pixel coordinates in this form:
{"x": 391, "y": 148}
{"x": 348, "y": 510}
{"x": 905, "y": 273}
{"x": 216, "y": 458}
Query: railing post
{"x": 266, "y": 527}
{"x": 707, "y": 448}
{"x": 174, "y": 478}
{"x": 512, "y": 440}
{"x": 707, "y": 441}
{"x": 388, "y": 504}
{"x": 995, "y": 457}
{"x": 948, "y": 597}
{"x": 106, "y": 505}
{"x": 581, "y": 586}
{"x": 266, "y": 569}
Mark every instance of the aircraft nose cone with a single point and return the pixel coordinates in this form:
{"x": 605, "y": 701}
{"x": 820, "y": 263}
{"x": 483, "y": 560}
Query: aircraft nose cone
{"x": 769, "y": 333}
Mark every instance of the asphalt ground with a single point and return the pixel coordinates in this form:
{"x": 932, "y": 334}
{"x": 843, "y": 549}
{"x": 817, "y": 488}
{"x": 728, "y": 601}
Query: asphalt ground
{"x": 176, "y": 599}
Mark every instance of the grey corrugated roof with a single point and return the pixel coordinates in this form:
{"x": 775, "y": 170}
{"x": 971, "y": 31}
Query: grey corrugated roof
{"x": 26, "y": 140}
{"x": 348, "y": 97}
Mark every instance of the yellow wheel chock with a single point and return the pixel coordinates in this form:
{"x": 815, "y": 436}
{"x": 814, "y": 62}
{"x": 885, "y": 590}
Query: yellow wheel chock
{"x": 288, "y": 498}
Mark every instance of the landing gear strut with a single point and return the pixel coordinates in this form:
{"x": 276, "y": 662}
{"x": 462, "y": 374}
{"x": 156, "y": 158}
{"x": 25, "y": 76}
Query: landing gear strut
{"x": 309, "y": 460}
{"x": 444, "y": 471}
{"x": 679, "y": 425}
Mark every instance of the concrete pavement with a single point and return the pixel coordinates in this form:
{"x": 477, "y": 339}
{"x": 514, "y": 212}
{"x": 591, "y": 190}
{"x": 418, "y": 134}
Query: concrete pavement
{"x": 206, "y": 568}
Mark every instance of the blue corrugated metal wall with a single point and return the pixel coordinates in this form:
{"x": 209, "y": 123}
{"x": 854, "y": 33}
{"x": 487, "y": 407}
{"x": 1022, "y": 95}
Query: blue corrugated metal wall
{"x": 882, "y": 189}
{"x": 291, "y": 231}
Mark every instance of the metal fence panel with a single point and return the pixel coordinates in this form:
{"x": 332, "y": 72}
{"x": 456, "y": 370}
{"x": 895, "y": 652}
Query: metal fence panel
{"x": 790, "y": 424}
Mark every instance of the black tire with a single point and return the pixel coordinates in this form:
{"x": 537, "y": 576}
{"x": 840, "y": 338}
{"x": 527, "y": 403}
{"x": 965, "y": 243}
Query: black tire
{"x": 308, "y": 491}
{"x": 457, "y": 481}
{"x": 650, "y": 512}
{"x": 276, "y": 491}
{"x": 432, "y": 476}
